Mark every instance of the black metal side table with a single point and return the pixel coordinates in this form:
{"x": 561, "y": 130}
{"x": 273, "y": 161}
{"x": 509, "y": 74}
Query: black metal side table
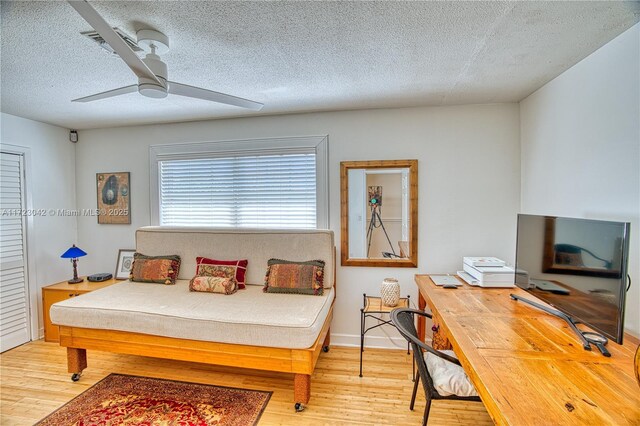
{"x": 372, "y": 307}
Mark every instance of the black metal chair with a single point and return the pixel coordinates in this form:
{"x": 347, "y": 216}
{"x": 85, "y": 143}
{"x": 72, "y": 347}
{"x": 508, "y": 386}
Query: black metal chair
{"x": 404, "y": 320}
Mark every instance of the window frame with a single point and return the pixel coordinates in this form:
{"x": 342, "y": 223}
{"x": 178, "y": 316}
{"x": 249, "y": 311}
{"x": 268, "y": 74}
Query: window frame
{"x": 244, "y": 147}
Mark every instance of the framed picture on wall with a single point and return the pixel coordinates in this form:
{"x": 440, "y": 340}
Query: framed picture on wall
{"x": 114, "y": 198}
{"x": 123, "y": 264}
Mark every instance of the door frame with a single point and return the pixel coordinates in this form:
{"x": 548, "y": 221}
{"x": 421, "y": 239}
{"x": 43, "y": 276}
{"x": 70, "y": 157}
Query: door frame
{"x": 29, "y": 239}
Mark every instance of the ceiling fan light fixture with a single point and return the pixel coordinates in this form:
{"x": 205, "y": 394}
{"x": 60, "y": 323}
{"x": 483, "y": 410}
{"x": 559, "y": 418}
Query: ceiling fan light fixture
{"x": 152, "y": 90}
{"x": 148, "y": 87}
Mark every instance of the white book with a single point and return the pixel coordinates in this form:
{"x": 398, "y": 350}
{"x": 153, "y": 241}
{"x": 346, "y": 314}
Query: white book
{"x": 490, "y": 276}
{"x": 483, "y": 261}
{"x": 445, "y": 280}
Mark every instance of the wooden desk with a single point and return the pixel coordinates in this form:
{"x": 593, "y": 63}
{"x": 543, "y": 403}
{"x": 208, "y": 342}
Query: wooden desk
{"x": 528, "y": 366}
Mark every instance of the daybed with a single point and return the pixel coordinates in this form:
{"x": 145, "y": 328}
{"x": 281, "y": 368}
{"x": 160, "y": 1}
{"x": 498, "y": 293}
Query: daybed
{"x": 249, "y": 329}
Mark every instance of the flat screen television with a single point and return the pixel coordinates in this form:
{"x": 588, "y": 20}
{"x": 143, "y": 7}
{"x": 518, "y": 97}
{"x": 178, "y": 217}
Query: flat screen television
{"x": 579, "y": 266}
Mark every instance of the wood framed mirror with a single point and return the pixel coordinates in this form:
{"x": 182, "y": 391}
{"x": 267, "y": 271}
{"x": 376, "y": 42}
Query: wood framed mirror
{"x": 379, "y": 213}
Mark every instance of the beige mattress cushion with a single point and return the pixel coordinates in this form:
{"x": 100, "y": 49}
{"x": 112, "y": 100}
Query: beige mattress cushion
{"x": 248, "y": 317}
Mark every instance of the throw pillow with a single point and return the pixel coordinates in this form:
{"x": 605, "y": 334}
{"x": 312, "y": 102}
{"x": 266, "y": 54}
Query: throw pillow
{"x": 222, "y": 268}
{"x": 213, "y": 284}
{"x": 448, "y": 378}
{"x": 284, "y": 276}
{"x": 155, "y": 269}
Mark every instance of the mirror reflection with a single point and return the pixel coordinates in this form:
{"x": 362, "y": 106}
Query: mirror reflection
{"x": 379, "y": 210}
{"x": 378, "y": 213}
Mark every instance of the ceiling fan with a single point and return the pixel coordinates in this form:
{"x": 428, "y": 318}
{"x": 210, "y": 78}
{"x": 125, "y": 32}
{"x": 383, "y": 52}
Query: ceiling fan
{"x": 151, "y": 71}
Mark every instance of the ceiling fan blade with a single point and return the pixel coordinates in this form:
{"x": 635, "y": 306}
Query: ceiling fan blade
{"x": 123, "y": 50}
{"x": 109, "y": 94}
{"x": 210, "y": 95}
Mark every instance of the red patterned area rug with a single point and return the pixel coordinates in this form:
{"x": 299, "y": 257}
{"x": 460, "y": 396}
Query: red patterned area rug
{"x": 131, "y": 400}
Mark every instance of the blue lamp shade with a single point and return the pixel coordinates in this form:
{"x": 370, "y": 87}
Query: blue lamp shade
{"x": 73, "y": 253}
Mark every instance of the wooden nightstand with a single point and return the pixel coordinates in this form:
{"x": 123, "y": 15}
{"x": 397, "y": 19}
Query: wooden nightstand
{"x": 63, "y": 291}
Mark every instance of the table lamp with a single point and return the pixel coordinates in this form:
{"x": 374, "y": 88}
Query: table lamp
{"x": 74, "y": 253}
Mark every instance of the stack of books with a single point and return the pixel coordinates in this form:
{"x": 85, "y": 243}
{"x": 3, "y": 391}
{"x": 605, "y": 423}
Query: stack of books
{"x": 487, "y": 272}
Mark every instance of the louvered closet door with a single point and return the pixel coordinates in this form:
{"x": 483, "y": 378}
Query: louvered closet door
{"x": 14, "y": 295}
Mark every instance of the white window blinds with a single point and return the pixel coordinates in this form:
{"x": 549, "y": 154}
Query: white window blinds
{"x": 252, "y": 191}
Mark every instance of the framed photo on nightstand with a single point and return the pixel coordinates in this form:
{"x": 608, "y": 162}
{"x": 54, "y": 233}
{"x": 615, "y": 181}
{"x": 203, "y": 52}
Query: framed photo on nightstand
{"x": 123, "y": 265}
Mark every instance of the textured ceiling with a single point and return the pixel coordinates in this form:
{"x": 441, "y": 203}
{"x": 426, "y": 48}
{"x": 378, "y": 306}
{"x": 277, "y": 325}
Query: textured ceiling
{"x": 298, "y": 56}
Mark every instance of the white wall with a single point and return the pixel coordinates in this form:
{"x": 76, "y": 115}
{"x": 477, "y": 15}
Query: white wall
{"x": 52, "y": 186}
{"x": 580, "y": 137}
{"x": 469, "y": 182}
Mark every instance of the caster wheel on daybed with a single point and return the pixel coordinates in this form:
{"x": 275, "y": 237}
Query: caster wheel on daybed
{"x": 299, "y": 407}
{"x": 325, "y": 349}
{"x": 75, "y": 377}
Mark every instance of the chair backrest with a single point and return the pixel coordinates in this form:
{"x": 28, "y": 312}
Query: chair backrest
{"x": 404, "y": 321}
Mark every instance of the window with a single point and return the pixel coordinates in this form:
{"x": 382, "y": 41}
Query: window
{"x": 257, "y": 191}
{"x": 273, "y": 183}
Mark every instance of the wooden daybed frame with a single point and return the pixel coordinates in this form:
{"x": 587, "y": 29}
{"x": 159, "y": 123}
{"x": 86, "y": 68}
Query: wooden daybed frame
{"x": 300, "y": 362}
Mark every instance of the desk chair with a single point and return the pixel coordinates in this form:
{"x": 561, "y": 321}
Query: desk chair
{"x": 404, "y": 320}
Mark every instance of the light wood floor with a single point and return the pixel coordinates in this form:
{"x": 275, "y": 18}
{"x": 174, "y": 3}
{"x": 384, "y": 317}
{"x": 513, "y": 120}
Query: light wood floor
{"x": 35, "y": 382}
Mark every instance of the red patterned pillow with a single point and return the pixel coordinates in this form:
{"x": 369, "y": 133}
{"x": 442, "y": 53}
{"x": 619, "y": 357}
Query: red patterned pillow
{"x": 222, "y": 268}
{"x": 155, "y": 269}
{"x": 284, "y": 276}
